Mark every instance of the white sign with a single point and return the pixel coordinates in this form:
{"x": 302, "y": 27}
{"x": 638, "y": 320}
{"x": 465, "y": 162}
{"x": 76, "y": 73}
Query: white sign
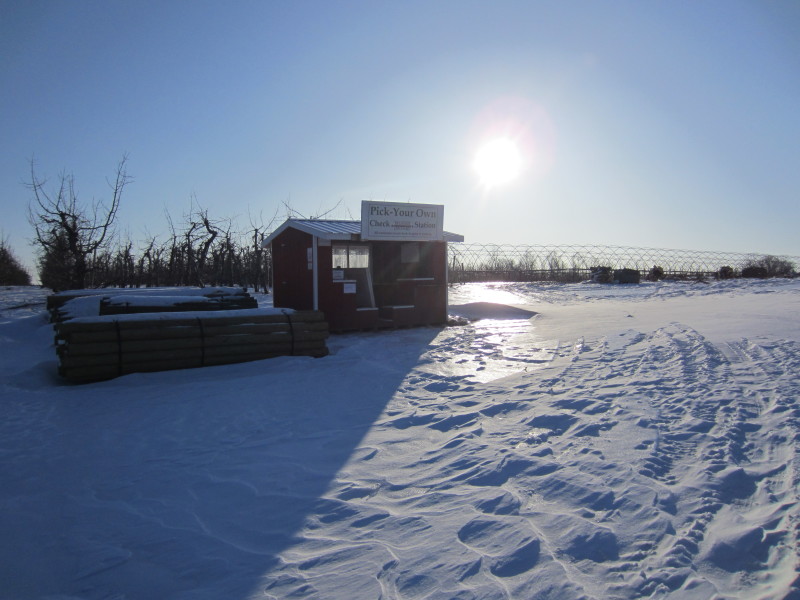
{"x": 402, "y": 221}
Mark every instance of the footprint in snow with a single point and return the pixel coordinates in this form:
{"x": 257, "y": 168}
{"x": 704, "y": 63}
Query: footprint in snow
{"x": 502, "y": 408}
{"x": 508, "y": 545}
{"x": 502, "y": 504}
{"x": 580, "y": 538}
{"x": 594, "y": 429}
{"x": 414, "y": 420}
{"x": 557, "y": 423}
{"x": 441, "y": 386}
{"x": 454, "y": 422}
{"x": 574, "y": 404}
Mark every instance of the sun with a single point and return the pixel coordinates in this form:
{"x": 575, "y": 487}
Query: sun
{"x": 497, "y": 162}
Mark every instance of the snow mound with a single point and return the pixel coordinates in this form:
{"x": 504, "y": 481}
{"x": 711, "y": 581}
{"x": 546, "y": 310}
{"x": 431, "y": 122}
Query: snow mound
{"x": 489, "y": 310}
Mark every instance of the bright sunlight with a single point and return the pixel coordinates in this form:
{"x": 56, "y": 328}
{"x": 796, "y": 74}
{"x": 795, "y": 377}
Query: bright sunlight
{"x": 498, "y": 162}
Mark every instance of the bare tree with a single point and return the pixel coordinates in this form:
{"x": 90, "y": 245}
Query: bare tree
{"x": 148, "y": 265}
{"x": 211, "y": 233}
{"x": 68, "y": 232}
{"x": 292, "y": 213}
{"x": 258, "y": 258}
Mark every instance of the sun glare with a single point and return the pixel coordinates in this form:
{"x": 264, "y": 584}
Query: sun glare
{"x": 498, "y": 162}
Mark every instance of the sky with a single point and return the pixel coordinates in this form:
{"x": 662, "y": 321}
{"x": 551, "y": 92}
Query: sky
{"x": 656, "y": 124}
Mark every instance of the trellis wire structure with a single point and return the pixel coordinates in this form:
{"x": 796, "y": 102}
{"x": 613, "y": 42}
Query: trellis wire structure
{"x": 506, "y": 262}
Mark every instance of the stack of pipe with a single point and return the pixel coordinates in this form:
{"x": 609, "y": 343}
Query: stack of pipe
{"x": 139, "y": 303}
{"x": 132, "y": 300}
{"x": 97, "y": 348}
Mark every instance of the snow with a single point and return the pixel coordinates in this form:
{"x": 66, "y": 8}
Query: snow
{"x": 156, "y": 300}
{"x": 578, "y": 441}
{"x": 251, "y": 313}
{"x": 195, "y": 293}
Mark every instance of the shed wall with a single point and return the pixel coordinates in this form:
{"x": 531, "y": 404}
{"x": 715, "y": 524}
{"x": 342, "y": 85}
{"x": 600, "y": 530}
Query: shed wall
{"x": 409, "y": 283}
{"x": 292, "y": 279}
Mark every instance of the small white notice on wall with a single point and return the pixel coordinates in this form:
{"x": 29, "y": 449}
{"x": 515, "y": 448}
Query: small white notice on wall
{"x": 338, "y": 274}
{"x": 349, "y": 288}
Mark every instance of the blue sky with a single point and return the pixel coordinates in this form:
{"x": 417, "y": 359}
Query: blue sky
{"x": 662, "y": 124}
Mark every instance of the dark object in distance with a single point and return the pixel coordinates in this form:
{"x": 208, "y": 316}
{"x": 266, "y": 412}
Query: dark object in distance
{"x": 655, "y": 274}
{"x": 626, "y": 276}
{"x": 755, "y": 272}
{"x": 726, "y": 273}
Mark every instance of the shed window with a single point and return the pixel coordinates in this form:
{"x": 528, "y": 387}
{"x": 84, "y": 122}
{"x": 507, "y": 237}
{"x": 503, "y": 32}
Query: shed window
{"x": 350, "y": 256}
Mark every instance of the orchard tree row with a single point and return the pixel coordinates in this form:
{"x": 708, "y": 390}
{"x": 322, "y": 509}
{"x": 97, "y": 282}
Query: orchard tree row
{"x": 78, "y": 245}
{"x": 11, "y": 270}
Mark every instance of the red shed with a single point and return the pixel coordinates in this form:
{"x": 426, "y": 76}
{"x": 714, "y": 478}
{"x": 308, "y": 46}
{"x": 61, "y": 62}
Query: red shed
{"x": 358, "y": 281}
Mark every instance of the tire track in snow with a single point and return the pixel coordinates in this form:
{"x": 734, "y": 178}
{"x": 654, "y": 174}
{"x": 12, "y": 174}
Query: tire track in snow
{"x": 677, "y": 373}
{"x": 710, "y": 454}
{"x": 687, "y": 384}
{"x": 768, "y": 371}
{"x": 700, "y": 415}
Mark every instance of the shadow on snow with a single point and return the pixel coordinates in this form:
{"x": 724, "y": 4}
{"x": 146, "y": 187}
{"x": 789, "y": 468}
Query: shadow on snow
{"x": 188, "y": 483}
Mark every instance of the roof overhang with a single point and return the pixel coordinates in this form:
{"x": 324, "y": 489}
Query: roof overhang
{"x": 335, "y": 230}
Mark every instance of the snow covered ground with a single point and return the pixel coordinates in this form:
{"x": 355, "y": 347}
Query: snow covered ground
{"x": 578, "y": 441}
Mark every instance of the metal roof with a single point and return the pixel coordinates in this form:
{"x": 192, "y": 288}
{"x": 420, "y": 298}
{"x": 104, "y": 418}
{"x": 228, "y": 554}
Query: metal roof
{"x": 335, "y": 230}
